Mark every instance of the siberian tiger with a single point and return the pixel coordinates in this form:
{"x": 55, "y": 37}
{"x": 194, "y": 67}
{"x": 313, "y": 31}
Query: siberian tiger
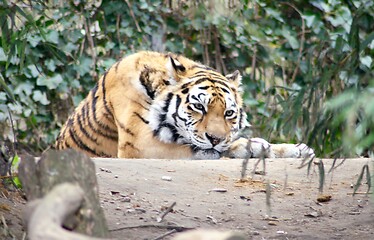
{"x": 154, "y": 105}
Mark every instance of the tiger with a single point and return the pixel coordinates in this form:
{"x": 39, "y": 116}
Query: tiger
{"x": 166, "y": 106}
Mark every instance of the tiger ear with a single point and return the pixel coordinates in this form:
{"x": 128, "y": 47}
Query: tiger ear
{"x": 174, "y": 67}
{"x": 235, "y": 78}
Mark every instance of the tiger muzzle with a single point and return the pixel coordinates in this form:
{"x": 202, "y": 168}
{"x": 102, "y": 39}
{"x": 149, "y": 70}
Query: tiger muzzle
{"x": 214, "y": 140}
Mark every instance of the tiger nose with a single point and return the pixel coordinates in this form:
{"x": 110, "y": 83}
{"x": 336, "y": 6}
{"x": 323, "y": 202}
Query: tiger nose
{"x": 214, "y": 140}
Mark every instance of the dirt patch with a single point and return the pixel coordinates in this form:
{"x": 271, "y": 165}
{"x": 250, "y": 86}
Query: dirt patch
{"x": 208, "y": 194}
{"x": 283, "y": 204}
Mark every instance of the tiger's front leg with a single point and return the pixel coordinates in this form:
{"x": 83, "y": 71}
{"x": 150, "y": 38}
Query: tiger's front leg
{"x": 258, "y": 147}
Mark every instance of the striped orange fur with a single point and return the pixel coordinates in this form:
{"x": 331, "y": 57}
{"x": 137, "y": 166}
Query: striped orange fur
{"x": 154, "y": 105}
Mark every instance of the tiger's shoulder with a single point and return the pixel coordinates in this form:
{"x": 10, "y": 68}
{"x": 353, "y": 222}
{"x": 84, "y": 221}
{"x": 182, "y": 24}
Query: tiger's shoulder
{"x": 128, "y": 106}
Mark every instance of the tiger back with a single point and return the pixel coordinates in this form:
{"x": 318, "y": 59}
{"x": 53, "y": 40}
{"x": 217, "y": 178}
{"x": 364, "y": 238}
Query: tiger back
{"x": 154, "y": 105}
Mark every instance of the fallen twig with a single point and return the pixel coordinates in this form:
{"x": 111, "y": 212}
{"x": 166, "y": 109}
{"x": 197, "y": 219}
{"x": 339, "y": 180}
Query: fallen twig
{"x": 176, "y": 227}
{"x": 361, "y": 193}
{"x": 244, "y": 168}
{"x": 159, "y": 219}
{"x": 165, "y": 234}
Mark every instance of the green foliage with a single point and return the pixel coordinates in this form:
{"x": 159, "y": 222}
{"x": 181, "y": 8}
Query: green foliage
{"x": 14, "y": 171}
{"x": 307, "y": 65}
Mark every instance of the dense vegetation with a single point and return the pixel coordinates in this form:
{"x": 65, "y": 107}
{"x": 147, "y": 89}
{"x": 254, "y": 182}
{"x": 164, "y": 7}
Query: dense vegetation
{"x": 307, "y": 65}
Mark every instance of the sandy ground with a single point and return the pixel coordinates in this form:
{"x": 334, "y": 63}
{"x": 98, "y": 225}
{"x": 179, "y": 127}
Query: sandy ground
{"x": 279, "y": 205}
{"x": 134, "y": 193}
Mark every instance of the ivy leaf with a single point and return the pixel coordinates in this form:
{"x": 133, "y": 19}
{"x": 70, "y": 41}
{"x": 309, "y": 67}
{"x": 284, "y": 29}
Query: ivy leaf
{"x": 309, "y": 19}
{"x": 50, "y": 83}
{"x": 52, "y": 37}
{"x": 3, "y": 57}
{"x": 34, "y": 40}
{"x": 33, "y": 71}
{"x": 50, "y": 64}
{"x": 41, "y": 97}
{"x": 366, "y": 61}
{"x": 84, "y": 66}
{"x": 291, "y": 39}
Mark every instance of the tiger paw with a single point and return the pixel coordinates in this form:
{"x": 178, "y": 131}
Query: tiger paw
{"x": 206, "y": 154}
{"x": 238, "y": 149}
{"x": 248, "y": 148}
{"x": 258, "y": 147}
{"x": 285, "y": 150}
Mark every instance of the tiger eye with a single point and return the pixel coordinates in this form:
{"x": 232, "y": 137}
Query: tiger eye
{"x": 199, "y": 106}
{"x": 229, "y": 113}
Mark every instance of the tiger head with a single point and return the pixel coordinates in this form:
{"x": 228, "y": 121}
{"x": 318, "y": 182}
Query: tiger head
{"x": 203, "y": 109}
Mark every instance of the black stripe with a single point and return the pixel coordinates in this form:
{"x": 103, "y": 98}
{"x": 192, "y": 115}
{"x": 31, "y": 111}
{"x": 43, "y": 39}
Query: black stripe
{"x": 113, "y": 137}
{"x": 80, "y": 144}
{"x": 162, "y": 118}
{"x": 194, "y": 97}
{"x": 67, "y": 145}
{"x": 175, "y": 114}
{"x": 108, "y": 117}
{"x": 206, "y": 73}
{"x": 201, "y": 80}
{"x": 128, "y": 144}
{"x": 141, "y": 118}
{"x": 241, "y": 118}
{"x": 126, "y": 130}
{"x": 83, "y": 129}
{"x": 110, "y": 113}
{"x": 116, "y": 66}
{"x": 146, "y": 82}
{"x": 93, "y": 109}
{"x": 185, "y": 91}
{"x": 190, "y": 108}
{"x": 172, "y": 128}
{"x": 225, "y": 90}
{"x": 63, "y": 133}
{"x": 178, "y": 102}
{"x": 95, "y": 130}
{"x": 141, "y": 105}
{"x": 203, "y": 67}
{"x": 167, "y": 102}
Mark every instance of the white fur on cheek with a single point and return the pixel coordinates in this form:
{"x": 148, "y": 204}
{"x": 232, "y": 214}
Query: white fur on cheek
{"x": 165, "y": 135}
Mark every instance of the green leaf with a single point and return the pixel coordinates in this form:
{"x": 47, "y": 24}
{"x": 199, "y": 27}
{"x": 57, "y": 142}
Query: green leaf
{"x": 34, "y": 40}
{"x": 275, "y": 14}
{"x": 291, "y": 39}
{"x": 84, "y": 66}
{"x": 17, "y": 182}
{"x": 369, "y": 40}
{"x": 3, "y": 57}
{"x": 33, "y": 70}
{"x": 49, "y": 82}
{"x": 6, "y": 88}
{"x": 15, "y": 163}
{"x": 41, "y": 97}
{"x": 50, "y": 64}
{"x": 366, "y": 61}
{"x": 52, "y": 37}
{"x": 309, "y": 19}
{"x": 3, "y": 96}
